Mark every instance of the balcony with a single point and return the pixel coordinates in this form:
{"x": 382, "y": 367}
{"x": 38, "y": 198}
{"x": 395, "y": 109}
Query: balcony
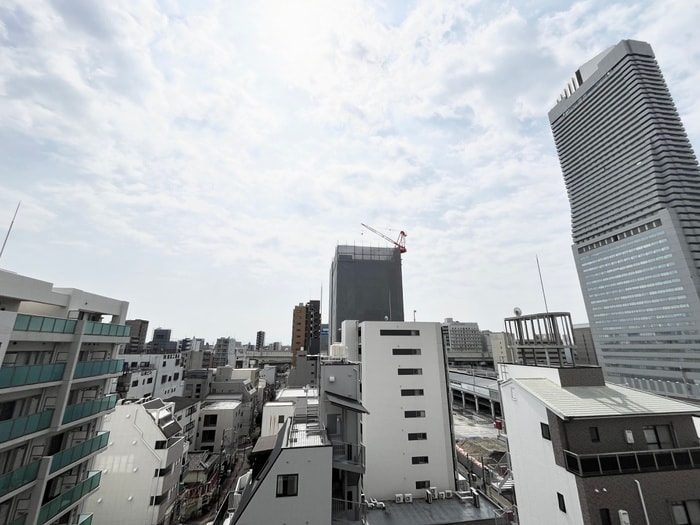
{"x": 18, "y": 478}
{"x": 349, "y": 455}
{"x": 632, "y": 462}
{"x": 345, "y": 511}
{"x": 39, "y": 323}
{"x": 12, "y": 376}
{"x": 89, "y": 408}
{"x": 106, "y": 329}
{"x": 85, "y": 519}
{"x": 98, "y": 368}
{"x": 24, "y": 425}
{"x": 63, "y": 501}
{"x": 71, "y": 455}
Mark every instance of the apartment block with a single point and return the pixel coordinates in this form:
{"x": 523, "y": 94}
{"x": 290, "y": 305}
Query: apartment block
{"x": 59, "y": 353}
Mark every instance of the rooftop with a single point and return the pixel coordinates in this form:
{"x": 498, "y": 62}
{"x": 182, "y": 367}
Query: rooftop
{"x": 221, "y": 405}
{"x": 609, "y": 400}
{"x": 439, "y": 512}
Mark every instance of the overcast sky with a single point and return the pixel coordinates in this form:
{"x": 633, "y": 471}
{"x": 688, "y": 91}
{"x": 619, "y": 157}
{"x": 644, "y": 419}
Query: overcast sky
{"x": 201, "y": 160}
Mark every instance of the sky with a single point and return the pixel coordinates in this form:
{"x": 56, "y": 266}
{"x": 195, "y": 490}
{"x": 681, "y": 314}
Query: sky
{"x": 202, "y": 160}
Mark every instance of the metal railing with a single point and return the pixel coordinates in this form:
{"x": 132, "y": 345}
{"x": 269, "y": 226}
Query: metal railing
{"x": 98, "y": 368}
{"x": 89, "y": 408}
{"x": 18, "y": 477}
{"x": 22, "y": 375}
{"x": 632, "y": 462}
{"x": 24, "y": 425}
{"x": 349, "y": 453}
{"x": 68, "y": 498}
{"x": 348, "y": 511}
{"x": 71, "y": 455}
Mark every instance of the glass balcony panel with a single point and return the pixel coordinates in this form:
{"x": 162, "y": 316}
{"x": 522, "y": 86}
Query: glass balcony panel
{"x": 589, "y": 466}
{"x": 30, "y": 374}
{"x": 18, "y": 478}
{"x": 19, "y": 520}
{"x": 22, "y": 322}
{"x": 60, "y": 326}
{"x": 608, "y": 464}
{"x": 646, "y": 461}
{"x": 682, "y": 459}
{"x": 628, "y": 463}
{"x": 65, "y": 500}
{"x": 20, "y": 426}
{"x": 70, "y": 327}
{"x": 48, "y": 324}
{"x": 664, "y": 460}
{"x": 35, "y": 323}
{"x": 79, "y": 451}
{"x": 572, "y": 462}
{"x": 85, "y": 519}
{"x": 88, "y": 408}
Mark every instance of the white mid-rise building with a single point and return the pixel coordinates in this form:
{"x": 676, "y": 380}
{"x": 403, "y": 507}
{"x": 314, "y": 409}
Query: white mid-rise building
{"x": 407, "y": 433}
{"x": 463, "y": 343}
{"x": 141, "y": 466}
{"x": 158, "y": 375}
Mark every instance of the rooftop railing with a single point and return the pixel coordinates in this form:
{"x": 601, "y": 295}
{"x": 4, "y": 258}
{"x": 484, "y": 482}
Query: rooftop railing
{"x": 12, "y": 376}
{"x": 68, "y": 498}
{"x": 24, "y": 425}
{"x": 89, "y": 408}
{"x": 349, "y": 453}
{"x": 107, "y": 329}
{"x": 632, "y": 462}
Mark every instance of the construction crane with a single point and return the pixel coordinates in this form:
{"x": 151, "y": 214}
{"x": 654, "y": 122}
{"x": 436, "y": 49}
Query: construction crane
{"x": 400, "y": 241}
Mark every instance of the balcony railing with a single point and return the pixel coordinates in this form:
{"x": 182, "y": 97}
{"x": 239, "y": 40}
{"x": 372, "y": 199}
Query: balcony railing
{"x": 85, "y": 519}
{"x": 18, "y": 478}
{"x": 77, "y": 452}
{"x": 19, "y": 520}
{"x": 24, "y": 425}
{"x": 98, "y": 368}
{"x": 107, "y": 329}
{"x": 632, "y": 462}
{"x": 349, "y": 453}
{"x": 30, "y": 374}
{"x": 68, "y": 498}
{"x": 345, "y": 511}
{"x": 39, "y": 323}
{"x": 89, "y": 408}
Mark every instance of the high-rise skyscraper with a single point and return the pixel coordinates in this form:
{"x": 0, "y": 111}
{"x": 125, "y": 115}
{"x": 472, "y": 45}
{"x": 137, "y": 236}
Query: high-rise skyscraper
{"x": 366, "y": 285}
{"x": 306, "y": 329}
{"x": 634, "y": 189}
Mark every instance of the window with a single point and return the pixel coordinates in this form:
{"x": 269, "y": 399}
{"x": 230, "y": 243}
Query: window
{"x": 410, "y": 371}
{"x": 287, "y": 485}
{"x": 150, "y": 380}
{"x": 158, "y": 500}
{"x": 210, "y": 420}
{"x": 208, "y": 435}
{"x": 411, "y": 392}
{"x": 163, "y": 379}
{"x": 161, "y": 445}
{"x": 414, "y": 413}
{"x": 545, "y": 431}
{"x": 405, "y": 351}
{"x": 605, "y": 518}
{"x": 419, "y": 460}
{"x": 423, "y": 484}
{"x": 280, "y": 419}
{"x": 595, "y": 437}
{"x": 562, "y": 504}
{"x": 686, "y": 512}
{"x": 176, "y": 376}
{"x": 163, "y": 363}
{"x": 417, "y": 436}
{"x": 658, "y": 436}
{"x": 399, "y": 332}
{"x": 160, "y": 472}
{"x": 135, "y": 383}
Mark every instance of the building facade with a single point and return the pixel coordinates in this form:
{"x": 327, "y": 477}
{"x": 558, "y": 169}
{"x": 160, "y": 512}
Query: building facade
{"x": 59, "y": 353}
{"x": 463, "y": 344}
{"x": 365, "y": 285}
{"x": 142, "y": 466}
{"x": 634, "y": 188}
{"x": 137, "y": 341}
{"x": 586, "y": 452}
{"x": 151, "y": 375}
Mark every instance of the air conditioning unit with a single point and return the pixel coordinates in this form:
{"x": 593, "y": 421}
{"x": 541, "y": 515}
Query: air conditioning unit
{"x": 398, "y": 498}
{"x": 433, "y": 491}
{"x": 448, "y": 494}
{"x": 441, "y": 494}
{"x": 408, "y": 498}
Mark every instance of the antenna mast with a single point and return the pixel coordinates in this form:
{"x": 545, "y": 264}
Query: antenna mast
{"x": 9, "y": 229}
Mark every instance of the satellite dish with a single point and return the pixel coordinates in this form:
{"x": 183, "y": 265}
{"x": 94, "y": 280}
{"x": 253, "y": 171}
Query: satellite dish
{"x": 517, "y": 311}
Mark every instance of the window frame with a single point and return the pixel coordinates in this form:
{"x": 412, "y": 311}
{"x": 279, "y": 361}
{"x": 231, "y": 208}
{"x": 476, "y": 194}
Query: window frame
{"x": 287, "y": 485}
{"x": 545, "y": 431}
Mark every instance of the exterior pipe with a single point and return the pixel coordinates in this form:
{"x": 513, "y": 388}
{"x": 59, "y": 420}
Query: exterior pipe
{"x": 641, "y": 498}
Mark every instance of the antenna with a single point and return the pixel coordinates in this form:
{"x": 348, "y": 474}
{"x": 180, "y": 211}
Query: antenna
{"x": 9, "y": 229}
{"x": 546, "y": 309}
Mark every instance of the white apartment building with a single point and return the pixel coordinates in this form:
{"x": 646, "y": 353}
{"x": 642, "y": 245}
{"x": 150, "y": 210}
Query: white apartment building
{"x": 587, "y": 452}
{"x": 141, "y": 466}
{"x": 407, "y": 433}
{"x": 152, "y": 375}
{"x": 221, "y": 423}
{"x": 58, "y": 349}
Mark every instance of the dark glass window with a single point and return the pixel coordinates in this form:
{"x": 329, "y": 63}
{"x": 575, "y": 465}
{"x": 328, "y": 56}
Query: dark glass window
{"x": 595, "y": 437}
{"x": 419, "y": 460}
{"x": 410, "y": 371}
{"x": 399, "y": 332}
{"x": 417, "y": 436}
{"x": 423, "y": 484}
{"x": 562, "y": 504}
{"x": 287, "y": 485}
{"x": 414, "y": 413}
{"x": 405, "y": 351}
{"x": 545, "y": 431}
{"x": 411, "y": 391}
{"x": 210, "y": 420}
{"x": 605, "y": 517}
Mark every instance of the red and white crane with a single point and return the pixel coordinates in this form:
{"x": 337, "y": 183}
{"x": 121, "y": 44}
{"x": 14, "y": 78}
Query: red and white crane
{"x": 400, "y": 241}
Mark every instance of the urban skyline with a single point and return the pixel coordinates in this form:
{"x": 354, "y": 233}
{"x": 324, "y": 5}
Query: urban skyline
{"x": 221, "y": 174}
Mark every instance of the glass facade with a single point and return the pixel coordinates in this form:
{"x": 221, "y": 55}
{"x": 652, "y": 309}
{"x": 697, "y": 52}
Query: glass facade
{"x": 634, "y": 188}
